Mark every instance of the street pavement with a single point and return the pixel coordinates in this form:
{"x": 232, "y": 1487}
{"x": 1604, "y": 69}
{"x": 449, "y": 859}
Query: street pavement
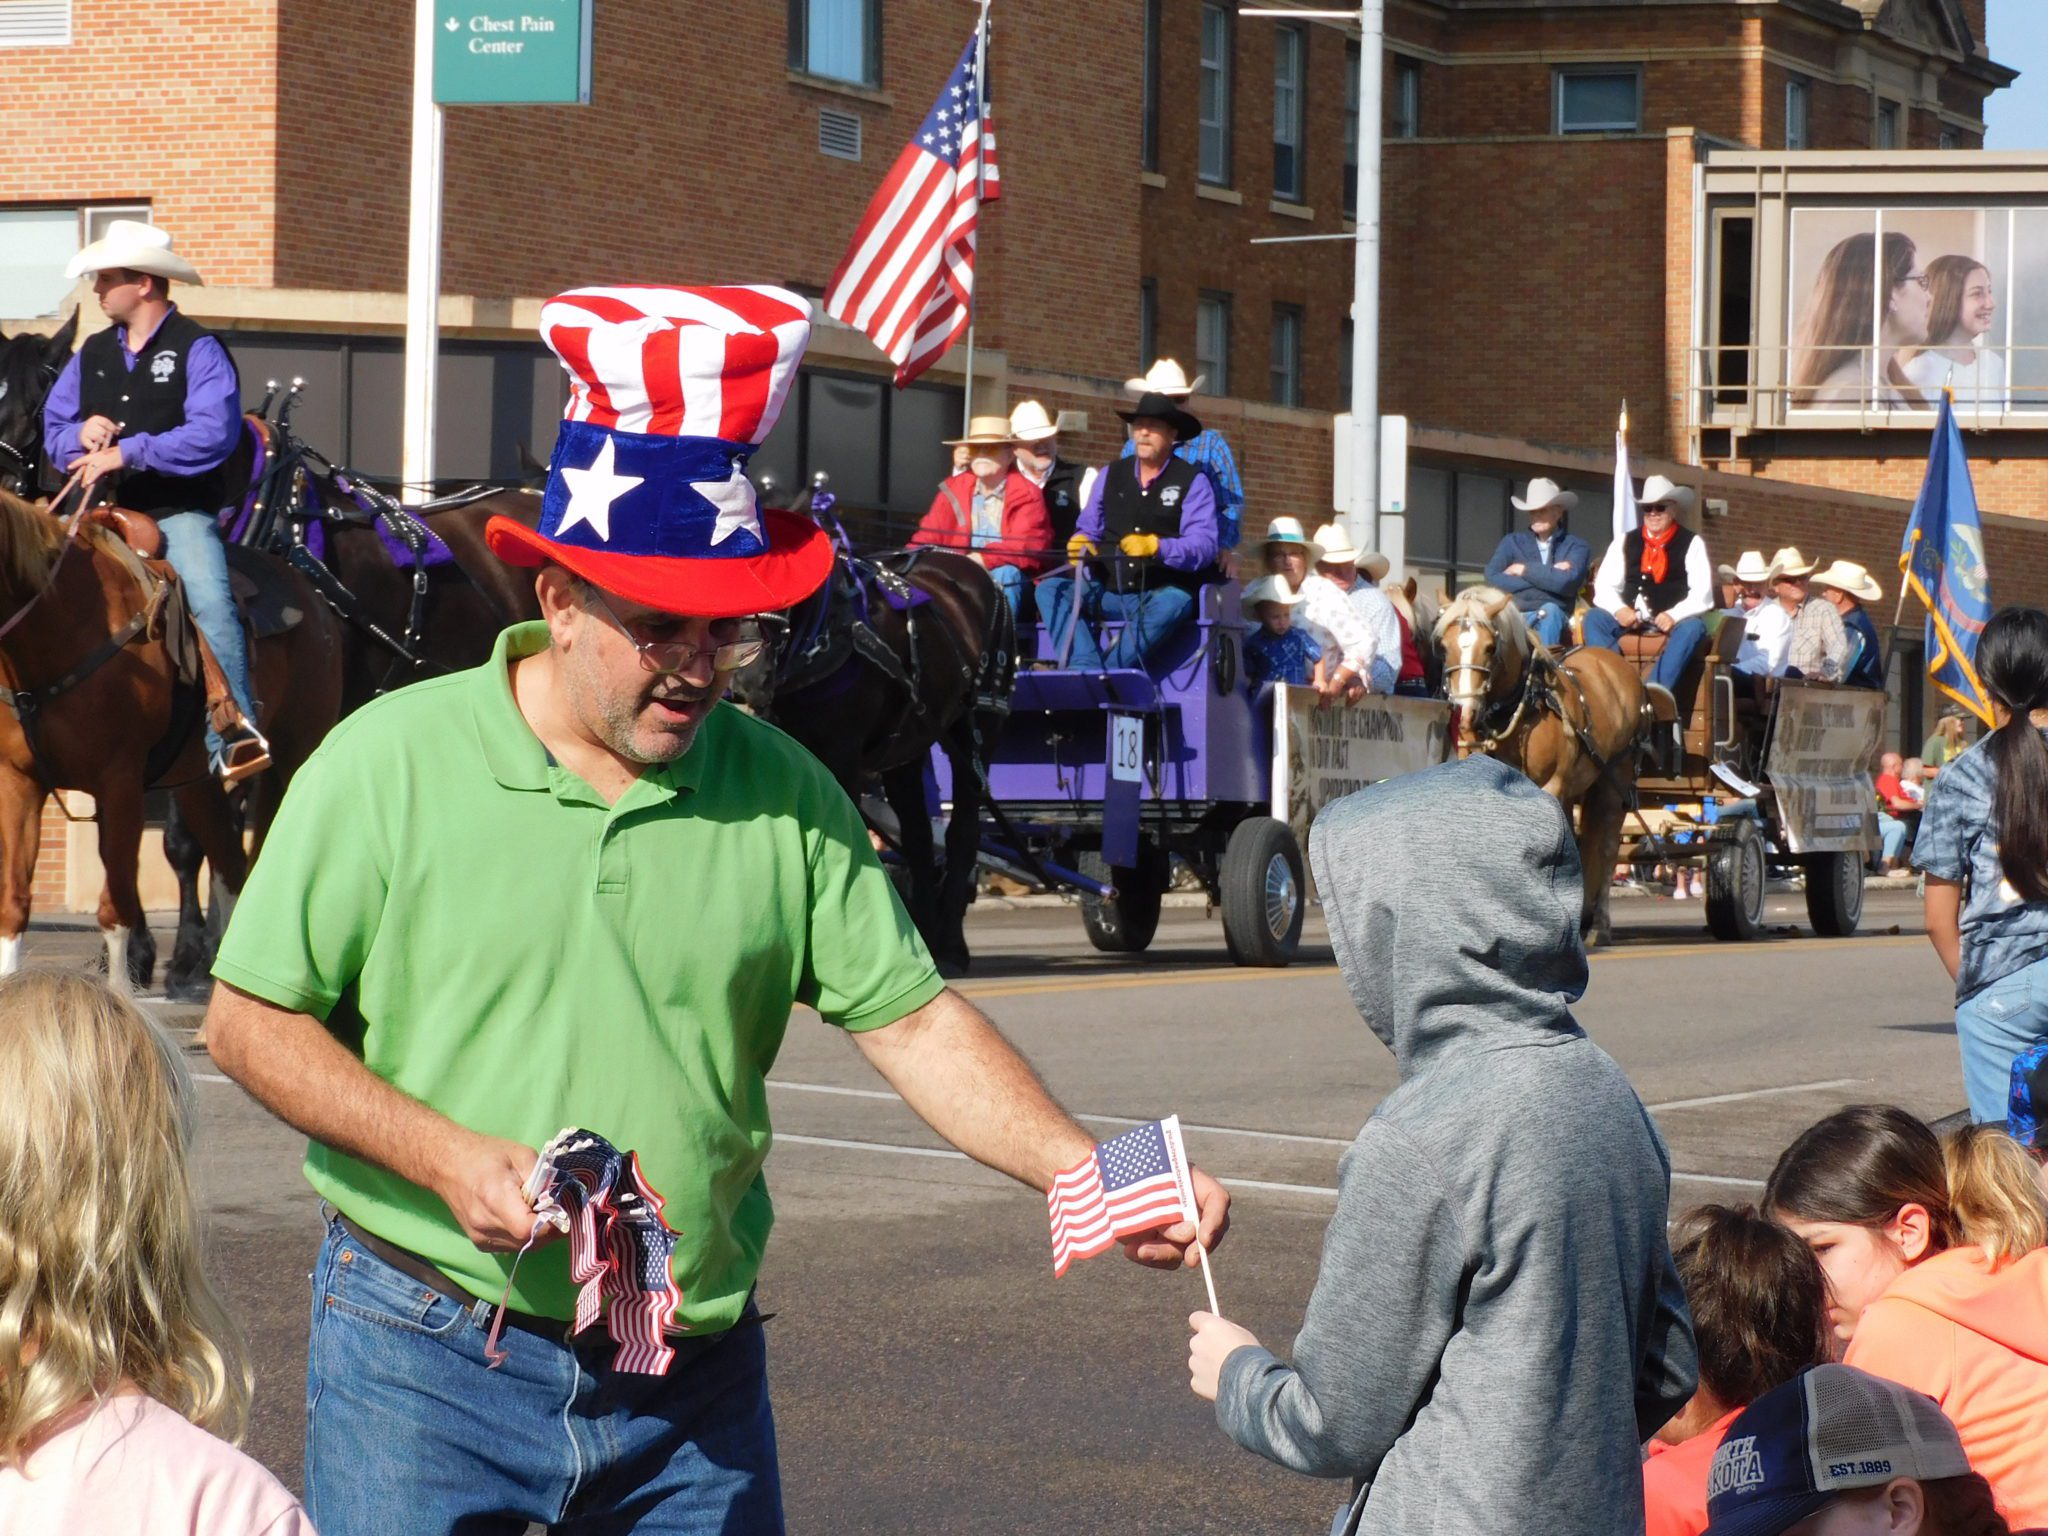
{"x": 929, "y": 1372}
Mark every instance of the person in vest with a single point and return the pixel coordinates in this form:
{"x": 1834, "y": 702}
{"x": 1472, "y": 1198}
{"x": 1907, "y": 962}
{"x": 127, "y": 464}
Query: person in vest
{"x": 1157, "y": 513}
{"x": 154, "y": 399}
{"x": 990, "y": 513}
{"x": 1207, "y": 450}
{"x": 1035, "y": 436}
{"x": 1657, "y": 577}
{"x": 1849, "y": 586}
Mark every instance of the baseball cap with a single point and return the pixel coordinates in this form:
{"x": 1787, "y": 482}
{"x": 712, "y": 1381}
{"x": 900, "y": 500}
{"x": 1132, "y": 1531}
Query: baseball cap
{"x": 2028, "y": 1101}
{"x": 1828, "y": 1431}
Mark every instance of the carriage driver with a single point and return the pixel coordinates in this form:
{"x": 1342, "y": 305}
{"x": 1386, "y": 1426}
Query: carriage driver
{"x": 592, "y": 898}
{"x": 1158, "y": 513}
{"x": 154, "y": 399}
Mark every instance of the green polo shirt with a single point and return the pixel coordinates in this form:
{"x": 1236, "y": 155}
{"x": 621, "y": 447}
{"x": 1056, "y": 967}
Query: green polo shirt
{"x": 492, "y": 938}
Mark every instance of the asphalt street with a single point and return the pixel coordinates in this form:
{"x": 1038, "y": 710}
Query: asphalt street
{"x": 929, "y": 1372}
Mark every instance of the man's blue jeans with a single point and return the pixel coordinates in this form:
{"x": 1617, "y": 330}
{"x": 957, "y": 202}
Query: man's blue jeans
{"x": 192, "y": 544}
{"x": 1150, "y": 620}
{"x": 1681, "y": 645}
{"x": 1550, "y": 622}
{"x": 407, "y": 1430}
{"x": 1993, "y": 1025}
{"x": 1009, "y": 580}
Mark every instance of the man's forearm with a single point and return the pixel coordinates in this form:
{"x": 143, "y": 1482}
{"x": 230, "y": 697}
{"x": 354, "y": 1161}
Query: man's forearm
{"x": 292, "y": 1066}
{"x": 968, "y": 1083}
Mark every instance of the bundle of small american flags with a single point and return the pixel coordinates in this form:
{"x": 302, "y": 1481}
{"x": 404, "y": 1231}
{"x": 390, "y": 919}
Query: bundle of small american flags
{"x": 1136, "y": 1182}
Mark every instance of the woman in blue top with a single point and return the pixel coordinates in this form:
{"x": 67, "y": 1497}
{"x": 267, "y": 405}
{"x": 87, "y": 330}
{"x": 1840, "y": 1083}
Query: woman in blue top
{"x": 1984, "y": 847}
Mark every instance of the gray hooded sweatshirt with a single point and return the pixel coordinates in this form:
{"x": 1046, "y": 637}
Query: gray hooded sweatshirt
{"x": 1497, "y": 1325}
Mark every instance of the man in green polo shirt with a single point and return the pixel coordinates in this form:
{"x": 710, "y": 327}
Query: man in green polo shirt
{"x": 572, "y": 888}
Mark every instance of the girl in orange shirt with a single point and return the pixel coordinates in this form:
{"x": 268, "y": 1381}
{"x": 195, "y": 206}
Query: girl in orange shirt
{"x": 1936, "y": 1276}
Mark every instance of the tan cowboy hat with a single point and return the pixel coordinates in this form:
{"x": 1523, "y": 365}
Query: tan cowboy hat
{"x": 1680, "y": 498}
{"x": 1546, "y": 493}
{"x": 1288, "y": 530}
{"x": 1790, "y": 562}
{"x": 1268, "y": 589}
{"x": 1752, "y": 567}
{"x": 1165, "y": 378}
{"x": 137, "y": 246}
{"x": 1337, "y": 549}
{"x": 1847, "y": 576}
{"x": 984, "y": 432}
{"x": 1029, "y": 423}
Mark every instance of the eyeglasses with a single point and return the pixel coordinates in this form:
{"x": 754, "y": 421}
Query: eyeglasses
{"x": 666, "y": 657}
{"x": 1917, "y": 279}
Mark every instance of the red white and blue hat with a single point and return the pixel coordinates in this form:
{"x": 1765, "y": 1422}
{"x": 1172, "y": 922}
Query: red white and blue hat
{"x": 670, "y": 392}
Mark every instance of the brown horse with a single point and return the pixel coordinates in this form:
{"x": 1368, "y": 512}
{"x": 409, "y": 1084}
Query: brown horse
{"x": 1571, "y": 722}
{"x": 93, "y": 683}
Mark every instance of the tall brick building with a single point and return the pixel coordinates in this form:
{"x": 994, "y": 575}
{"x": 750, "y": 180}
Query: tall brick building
{"x": 1584, "y": 203}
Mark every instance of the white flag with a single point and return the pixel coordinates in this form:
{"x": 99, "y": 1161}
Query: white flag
{"x": 1625, "y": 517}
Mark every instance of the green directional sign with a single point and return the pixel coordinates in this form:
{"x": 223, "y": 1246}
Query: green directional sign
{"x": 511, "y": 51}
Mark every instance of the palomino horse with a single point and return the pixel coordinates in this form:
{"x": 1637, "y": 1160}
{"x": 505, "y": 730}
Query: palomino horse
{"x": 1570, "y": 722}
{"x": 92, "y": 680}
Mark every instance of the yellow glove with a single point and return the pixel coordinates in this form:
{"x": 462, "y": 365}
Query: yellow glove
{"x": 1140, "y": 546}
{"x": 1079, "y": 548}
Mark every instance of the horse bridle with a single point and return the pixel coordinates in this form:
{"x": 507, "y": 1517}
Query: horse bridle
{"x": 1483, "y": 739}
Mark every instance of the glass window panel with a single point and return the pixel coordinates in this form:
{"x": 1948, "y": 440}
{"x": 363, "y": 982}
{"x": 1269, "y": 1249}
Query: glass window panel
{"x": 836, "y": 40}
{"x": 1212, "y": 342}
{"x": 1289, "y": 48}
{"x": 1482, "y": 518}
{"x": 774, "y": 468}
{"x": 1407, "y": 122}
{"x": 920, "y": 419}
{"x": 1598, "y": 103}
{"x": 1429, "y": 515}
{"x": 846, "y": 437}
{"x": 1351, "y": 130}
{"x": 1286, "y": 364}
{"x": 1344, "y": 366}
{"x": 34, "y": 245}
{"x": 1148, "y": 147}
{"x": 1887, "y": 125}
{"x": 1795, "y": 114}
{"x": 1215, "y": 95}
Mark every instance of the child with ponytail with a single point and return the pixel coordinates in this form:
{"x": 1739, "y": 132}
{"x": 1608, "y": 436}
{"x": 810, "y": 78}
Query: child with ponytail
{"x": 1937, "y": 1277}
{"x": 1983, "y": 845}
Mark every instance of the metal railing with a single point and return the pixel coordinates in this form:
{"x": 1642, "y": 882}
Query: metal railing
{"x": 1744, "y": 387}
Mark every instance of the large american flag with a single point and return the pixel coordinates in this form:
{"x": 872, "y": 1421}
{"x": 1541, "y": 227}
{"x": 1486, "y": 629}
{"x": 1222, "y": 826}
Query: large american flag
{"x": 907, "y": 280}
{"x": 1132, "y": 1183}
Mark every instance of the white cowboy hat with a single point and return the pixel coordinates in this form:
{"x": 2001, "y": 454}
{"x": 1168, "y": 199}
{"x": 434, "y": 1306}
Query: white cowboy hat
{"x": 984, "y": 432}
{"x": 1029, "y": 423}
{"x": 137, "y": 246}
{"x": 1752, "y": 567}
{"x": 1165, "y": 378}
{"x": 1288, "y": 530}
{"x": 1546, "y": 493}
{"x": 1847, "y": 576}
{"x": 1337, "y": 549}
{"x": 1790, "y": 562}
{"x": 1268, "y": 589}
{"x": 1679, "y": 498}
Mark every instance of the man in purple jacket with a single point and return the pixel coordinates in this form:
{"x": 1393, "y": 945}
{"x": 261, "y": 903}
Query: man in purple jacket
{"x": 154, "y": 398}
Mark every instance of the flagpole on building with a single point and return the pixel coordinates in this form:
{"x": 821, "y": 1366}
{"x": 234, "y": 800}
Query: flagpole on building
{"x": 422, "y": 264}
{"x": 974, "y": 292}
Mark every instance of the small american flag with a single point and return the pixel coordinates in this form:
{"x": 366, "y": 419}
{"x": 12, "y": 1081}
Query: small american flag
{"x": 1133, "y": 1183}
{"x": 907, "y": 280}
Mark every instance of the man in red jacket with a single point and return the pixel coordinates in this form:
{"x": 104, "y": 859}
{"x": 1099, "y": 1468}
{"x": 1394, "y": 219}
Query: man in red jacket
{"x": 991, "y": 513}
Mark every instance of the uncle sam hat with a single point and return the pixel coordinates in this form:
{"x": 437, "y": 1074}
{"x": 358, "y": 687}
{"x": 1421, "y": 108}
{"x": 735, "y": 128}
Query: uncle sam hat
{"x": 670, "y": 392}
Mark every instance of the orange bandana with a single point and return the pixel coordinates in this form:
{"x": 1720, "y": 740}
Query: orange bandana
{"x": 1656, "y": 552}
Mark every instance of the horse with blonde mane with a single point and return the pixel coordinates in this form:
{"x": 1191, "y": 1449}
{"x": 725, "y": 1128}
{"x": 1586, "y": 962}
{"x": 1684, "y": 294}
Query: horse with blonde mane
{"x": 1572, "y": 722}
{"x": 97, "y": 700}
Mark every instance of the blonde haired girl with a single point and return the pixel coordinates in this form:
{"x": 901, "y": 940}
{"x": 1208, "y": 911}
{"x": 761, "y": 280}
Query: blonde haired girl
{"x": 117, "y": 1364}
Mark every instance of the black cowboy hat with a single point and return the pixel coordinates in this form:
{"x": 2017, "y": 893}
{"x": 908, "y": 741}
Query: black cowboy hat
{"x": 1167, "y": 409}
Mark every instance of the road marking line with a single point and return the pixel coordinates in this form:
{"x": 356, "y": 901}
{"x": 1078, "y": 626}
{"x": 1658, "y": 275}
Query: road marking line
{"x": 1754, "y": 1093}
{"x": 1229, "y": 1182}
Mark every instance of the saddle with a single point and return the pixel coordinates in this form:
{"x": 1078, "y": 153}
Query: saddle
{"x": 262, "y": 594}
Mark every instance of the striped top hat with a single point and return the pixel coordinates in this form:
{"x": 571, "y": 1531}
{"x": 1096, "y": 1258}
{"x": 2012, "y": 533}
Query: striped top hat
{"x": 670, "y": 392}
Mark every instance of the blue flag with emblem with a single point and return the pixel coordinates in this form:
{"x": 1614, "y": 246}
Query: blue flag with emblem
{"x": 1943, "y": 564}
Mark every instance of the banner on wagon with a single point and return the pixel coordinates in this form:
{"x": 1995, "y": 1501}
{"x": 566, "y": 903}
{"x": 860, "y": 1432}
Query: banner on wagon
{"x": 1819, "y": 765}
{"x": 1320, "y": 755}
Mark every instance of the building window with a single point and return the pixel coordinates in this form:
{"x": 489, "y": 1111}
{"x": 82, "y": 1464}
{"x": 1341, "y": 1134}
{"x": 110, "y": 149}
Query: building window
{"x": 1286, "y": 365}
{"x": 1949, "y": 139}
{"x": 1290, "y": 68}
{"x": 883, "y": 447}
{"x": 1599, "y": 100}
{"x": 1886, "y": 134}
{"x": 1217, "y": 37}
{"x": 35, "y": 23}
{"x": 1148, "y": 324}
{"x": 1455, "y": 520}
{"x": 1351, "y": 131}
{"x": 1344, "y": 344}
{"x": 1212, "y": 341}
{"x": 837, "y": 39}
{"x": 1148, "y": 143}
{"x": 36, "y": 244}
{"x": 1798, "y": 94}
{"x": 1405, "y": 120}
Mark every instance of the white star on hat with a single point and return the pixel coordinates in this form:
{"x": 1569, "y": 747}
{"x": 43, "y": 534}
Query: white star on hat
{"x": 734, "y": 499}
{"x": 592, "y": 492}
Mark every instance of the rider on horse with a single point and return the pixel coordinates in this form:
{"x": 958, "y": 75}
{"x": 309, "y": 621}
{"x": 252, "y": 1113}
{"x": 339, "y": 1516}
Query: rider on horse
{"x": 155, "y": 399}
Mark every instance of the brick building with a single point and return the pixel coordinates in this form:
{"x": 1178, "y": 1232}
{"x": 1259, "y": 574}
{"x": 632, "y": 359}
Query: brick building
{"x": 1584, "y": 203}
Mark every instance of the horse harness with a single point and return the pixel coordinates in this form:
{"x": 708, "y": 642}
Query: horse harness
{"x": 1538, "y": 688}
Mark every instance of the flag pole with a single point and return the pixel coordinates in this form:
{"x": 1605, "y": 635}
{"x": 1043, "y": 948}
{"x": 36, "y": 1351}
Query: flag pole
{"x": 1207, "y": 1279}
{"x": 980, "y": 129}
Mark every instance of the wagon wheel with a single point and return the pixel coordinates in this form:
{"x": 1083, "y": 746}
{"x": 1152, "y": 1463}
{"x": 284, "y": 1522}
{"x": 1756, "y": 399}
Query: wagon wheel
{"x": 1735, "y": 884}
{"x": 1264, "y": 892}
{"x": 1123, "y": 924}
{"x": 1834, "y": 893}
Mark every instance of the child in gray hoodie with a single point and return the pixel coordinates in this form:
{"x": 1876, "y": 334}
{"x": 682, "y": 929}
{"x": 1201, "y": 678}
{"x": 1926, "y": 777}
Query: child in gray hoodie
{"x": 1497, "y": 1325}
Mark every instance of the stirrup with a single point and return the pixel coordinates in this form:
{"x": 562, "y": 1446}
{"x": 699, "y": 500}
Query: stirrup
{"x": 242, "y": 756}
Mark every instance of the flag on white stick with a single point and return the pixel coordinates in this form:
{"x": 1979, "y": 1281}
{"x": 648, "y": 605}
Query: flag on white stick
{"x": 1625, "y": 517}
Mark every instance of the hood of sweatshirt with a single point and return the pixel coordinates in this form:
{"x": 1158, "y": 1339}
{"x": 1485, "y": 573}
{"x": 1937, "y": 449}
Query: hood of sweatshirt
{"x": 1453, "y": 901}
{"x": 2006, "y": 1303}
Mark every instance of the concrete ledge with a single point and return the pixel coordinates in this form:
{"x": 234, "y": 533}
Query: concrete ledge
{"x": 1216, "y": 194}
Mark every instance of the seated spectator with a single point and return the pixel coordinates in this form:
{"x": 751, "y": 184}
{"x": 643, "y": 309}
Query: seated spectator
{"x": 1840, "y": 1452}
{"x": 1543, "y": 569}
{"x": 1820, "y": 643}
{"x": 1766, "y": 626}
{"x": 1898, "y": 813}
{"x": 1357, "y": 574}
{"x": 1275, "y": 651}
{"x": 118, "y": 1366}
{"x": 1035, "y": 435}
{"x": 1726, "y": 587}
{"x": 1936, "y": 1279}
{"x": 1326, "y": 611}
{"x": 1913, "y": 781}
{"x": 2027, "y": 1108}
{"x": 992, "y": 513}
{"x": 1759, "y": 1318}
{"x": 1849, "y": 586}
{"x": 1158, "y": 515}
{"x": 1656, "y": 579}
